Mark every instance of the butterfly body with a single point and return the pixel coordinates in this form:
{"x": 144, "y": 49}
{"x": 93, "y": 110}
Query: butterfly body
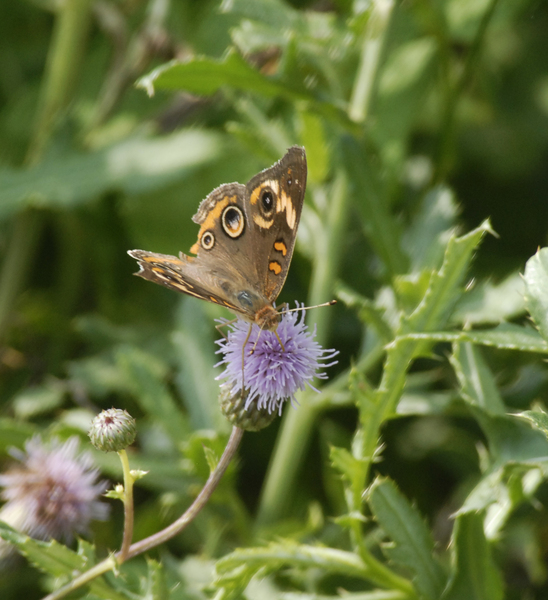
{"x": 245, "y": 243}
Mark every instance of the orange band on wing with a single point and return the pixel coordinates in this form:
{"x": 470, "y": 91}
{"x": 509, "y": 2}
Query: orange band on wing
{"x": 280, "y": 247}
{"x": 275, "y": 267}
{"x": 212, "y": 219}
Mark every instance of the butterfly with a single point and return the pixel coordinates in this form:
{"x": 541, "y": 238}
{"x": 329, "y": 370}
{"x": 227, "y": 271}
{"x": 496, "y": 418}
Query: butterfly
{"x": 245, "y": 243}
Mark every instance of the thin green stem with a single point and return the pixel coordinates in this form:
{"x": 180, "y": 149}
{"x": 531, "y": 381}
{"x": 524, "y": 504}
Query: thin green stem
{"x": 19, "y": 252}
{"x": 128, "y": 506}
{"x": 297, "y": 426}
{"x": 63, "y": 67}
{"x": 447, "y": 128}
{"x": 193, "y": 510}
{"x": 373, "y": 41}
{"x": 109, "y": 564}
{"x": 166, "y": 534}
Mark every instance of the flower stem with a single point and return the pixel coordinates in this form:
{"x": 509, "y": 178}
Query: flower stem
{"x": 63, "y": 67}
{"x": 373, "y": 40}
{"x": 128, "y": 506}
{"x": 193, "y": 510}
{"x": 166, "y": 534}
{"x": 296, "y": 430}
{"x": 448, "y": 126}
{"x": 109, "y": 564}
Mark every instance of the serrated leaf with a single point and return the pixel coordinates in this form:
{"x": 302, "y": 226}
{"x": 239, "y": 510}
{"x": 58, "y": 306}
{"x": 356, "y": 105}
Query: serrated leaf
{"x": 353, "y": 471}
{"x": 518, "y": 458}
{"x": 59, "y": 561}
{"x": 155, "y": 587}
{"x": 368, "y": 312}
{"x": 426, "y": 238}
{"x": 301, "y": 556}
{"x": 474, "y": 572}
{"x": 489, "y": 303}
{"x": 445, "y": 288}
{"x": 477, "y": 382}
{"x": 212, "y": 458}
{"x": 512, "y": 441}
{"x": 538, "y": 417}
{"x": 536, "y": 290}
{"x": 414, "y": 547}
{"x": 506, "y": 336}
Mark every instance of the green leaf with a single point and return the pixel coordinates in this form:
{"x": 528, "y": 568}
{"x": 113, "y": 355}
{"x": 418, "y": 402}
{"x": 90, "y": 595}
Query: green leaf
{"x": 513, "y": 441}
{"x": 538, "y": 417}
{"x": 276, "y": 555}
{"x": 474, "y": 573}
{"x": 134, "y": 165}
{"x": 536, "y": 290}
{"x": 195, "y": 351}
{"x": 352, "y": 469}
{"x": 381, "y": 227}
{"x": 446, "y": 285}
{"x": 205, "y": 76}
{"x": 151, "y": 392}
{"x": 279, "y": 15}
{"x": 403, "y": 83}
{"x": 477, "y": 382}
{"x": 426, "y": 238}
{"x": 432, "y": 313}
{"x": 506, "y": 336}
{"x": 517, "y": 464}
{"x": 14, "y": 433}
{"x": 368, "y": 311}
{"x": 58, "y": 561}
{"x": 41, "y": 399}
{"x": 489, "y": 303}
{"x": 414, "y": 547}
{"x": 154, "y": 587}
{"x": 500, "y": 492}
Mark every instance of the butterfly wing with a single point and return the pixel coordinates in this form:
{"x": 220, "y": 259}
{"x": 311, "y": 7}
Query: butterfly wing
{"x": 274, "y": 200}
{"x": 245, "y": 243}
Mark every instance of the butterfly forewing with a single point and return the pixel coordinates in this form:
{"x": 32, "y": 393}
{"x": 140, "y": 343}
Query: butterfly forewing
{"x": 245, "y": 243}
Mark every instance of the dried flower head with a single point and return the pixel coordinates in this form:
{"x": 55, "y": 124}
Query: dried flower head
{"x": 271, "y": 374}
{"x": 53, "y": 492}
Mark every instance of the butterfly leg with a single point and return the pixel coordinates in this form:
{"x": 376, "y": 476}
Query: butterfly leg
{"x": 218, "y": 327}
{"x": 243, "y": 356}
{"x": 279, "y": 340}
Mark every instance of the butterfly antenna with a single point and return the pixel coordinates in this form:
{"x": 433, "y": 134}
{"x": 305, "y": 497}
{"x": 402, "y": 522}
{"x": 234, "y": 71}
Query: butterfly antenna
{"x": 330, "y": 303}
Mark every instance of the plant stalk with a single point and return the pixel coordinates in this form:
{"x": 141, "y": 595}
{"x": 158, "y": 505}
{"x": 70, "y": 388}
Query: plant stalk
{"x": 111, "y": 563}
{"x": 128, "y": 506}
{"x": 297, "y": 427}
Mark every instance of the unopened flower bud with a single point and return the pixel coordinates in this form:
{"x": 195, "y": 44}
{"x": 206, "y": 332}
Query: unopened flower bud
{"x": 112, "y": 430}
{"x": 233, "y": 407}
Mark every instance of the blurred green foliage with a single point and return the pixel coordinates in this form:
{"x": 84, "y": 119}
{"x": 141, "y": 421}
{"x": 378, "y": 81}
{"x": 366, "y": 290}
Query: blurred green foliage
{"x": 410, "y": 474}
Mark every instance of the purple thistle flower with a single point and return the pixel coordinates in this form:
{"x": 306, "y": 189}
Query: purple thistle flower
{"x": 53, "y": 492}
{"x": 272, "y": 375}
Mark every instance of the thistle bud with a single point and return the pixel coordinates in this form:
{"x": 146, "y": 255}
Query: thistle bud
{"x": 112, "y": 430}
{"x": 233, "y": 407}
